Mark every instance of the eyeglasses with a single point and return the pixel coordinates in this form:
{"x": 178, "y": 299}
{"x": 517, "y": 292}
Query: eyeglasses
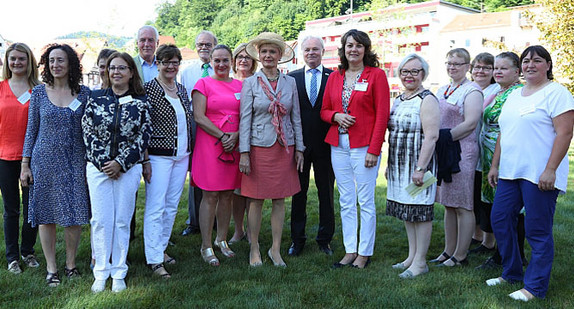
{"x": 224, "y": 157}
{"x": 454, "y": 64}
{"x": 245, "y": 58}
{"x": 208, "y": 45}
{"x": 413, "y": 72}
{"x": 120, "y": 68}
{"x": 481, "y": 68}
{"x": 168, "y": 63}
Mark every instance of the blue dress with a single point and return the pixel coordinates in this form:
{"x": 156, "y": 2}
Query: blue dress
{"x": 59, "y": 193}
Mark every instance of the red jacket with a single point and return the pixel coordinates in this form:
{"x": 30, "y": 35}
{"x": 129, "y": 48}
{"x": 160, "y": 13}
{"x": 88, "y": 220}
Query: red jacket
{"x": 370, "y": 108}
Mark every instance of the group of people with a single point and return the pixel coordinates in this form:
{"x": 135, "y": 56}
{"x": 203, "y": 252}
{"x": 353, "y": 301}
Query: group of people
{"x": 256, "y": 135}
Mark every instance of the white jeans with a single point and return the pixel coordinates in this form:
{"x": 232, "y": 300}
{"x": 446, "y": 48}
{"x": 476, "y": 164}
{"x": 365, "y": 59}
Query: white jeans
{"x": 355, "y": 180}
{"x": 161, "y": 199}
{"x": 113, "y": 203}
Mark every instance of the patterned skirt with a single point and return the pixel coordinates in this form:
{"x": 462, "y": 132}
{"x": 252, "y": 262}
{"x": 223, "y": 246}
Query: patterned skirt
{"x": 410, "y": 213}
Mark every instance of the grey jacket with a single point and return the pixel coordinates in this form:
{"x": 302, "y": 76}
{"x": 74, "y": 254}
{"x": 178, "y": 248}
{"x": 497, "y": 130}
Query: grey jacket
{"x": 255, "y": 127}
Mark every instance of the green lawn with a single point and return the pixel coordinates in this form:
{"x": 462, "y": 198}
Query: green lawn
{"x": 308, "y": 280}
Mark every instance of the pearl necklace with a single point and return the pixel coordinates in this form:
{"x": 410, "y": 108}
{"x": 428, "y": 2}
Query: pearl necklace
{"x": 173, "y": 88}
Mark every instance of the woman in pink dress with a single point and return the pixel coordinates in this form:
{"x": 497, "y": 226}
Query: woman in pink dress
{"x": 215, "y": 162}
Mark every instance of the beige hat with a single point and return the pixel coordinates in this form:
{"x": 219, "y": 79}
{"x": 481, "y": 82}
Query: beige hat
{"x": 270, "y": 38}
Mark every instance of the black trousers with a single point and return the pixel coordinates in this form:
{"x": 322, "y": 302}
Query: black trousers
{"x": 10, "y": 189}
{"x": 324, "y": 180}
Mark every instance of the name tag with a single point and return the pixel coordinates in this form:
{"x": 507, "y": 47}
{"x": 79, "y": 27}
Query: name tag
{"x": 527, "y": 110}
{"x": 361, "y": 86}
{"x": 126, "y": 99}
{"x": 25, "y": 97}
{"x": 238, "y": 96}
{"x": 74, "y": 105}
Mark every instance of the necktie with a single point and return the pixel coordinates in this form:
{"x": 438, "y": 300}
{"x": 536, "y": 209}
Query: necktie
{"x": 205, "y": 73}
{"x": 313, "y": 90}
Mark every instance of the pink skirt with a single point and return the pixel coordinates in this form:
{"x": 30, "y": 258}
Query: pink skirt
{"x": 273, "y": 173}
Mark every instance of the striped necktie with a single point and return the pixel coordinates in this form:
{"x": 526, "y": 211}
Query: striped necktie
{"x": 205, "y": 67}
{"x": 313, "y": 90}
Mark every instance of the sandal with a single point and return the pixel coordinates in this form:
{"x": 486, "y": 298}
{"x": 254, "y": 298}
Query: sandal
{"x": 52, "y": 279}
{"x": 72, "y": 273}
{"x": 224, "y": 248}
{"x": 168, "y": 259}
{"x": 209, "y": 256}
{"x": 236, "y": 240}
{"x": 159, "y": 270}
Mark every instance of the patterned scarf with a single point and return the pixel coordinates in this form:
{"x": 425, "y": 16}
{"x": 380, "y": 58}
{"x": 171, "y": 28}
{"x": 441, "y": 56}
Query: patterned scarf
{"x": 277, "y": 111}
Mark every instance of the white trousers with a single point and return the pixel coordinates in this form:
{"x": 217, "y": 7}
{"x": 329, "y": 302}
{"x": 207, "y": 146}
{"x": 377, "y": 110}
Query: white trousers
{"x": 161, "y": 199}
{"x": 354, "y": 180}
{"x": 113, "y": 203}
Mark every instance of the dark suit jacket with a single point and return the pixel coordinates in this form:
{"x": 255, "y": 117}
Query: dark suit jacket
{"x": 314, "y": 130}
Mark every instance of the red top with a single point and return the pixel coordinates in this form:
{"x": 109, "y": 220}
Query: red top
{"x": 370, "y": 108}
{"x": 13, "y": 121}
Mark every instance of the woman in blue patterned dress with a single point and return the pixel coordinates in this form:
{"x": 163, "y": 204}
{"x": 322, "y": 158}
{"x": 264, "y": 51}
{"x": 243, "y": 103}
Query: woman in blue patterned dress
{"x": 54, "y": 157}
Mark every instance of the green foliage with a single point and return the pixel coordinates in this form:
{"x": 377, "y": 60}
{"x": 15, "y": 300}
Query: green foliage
{"x": 556, "y": 23}
{"x": 115, "y": 42}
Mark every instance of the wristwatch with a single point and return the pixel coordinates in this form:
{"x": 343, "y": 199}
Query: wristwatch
{"x": 419, "y": 169}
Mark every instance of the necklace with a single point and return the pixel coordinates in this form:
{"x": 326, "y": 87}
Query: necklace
{"x": 411, "y": 95}
{"x": 273, "y": 79}
{"x": 448, "y": 94}
{"x": 173, "y": 88}
{"x": 503, "y": 89}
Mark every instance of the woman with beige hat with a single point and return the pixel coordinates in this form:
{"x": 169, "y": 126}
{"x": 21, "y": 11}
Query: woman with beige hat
{"x": 270, "y": 140}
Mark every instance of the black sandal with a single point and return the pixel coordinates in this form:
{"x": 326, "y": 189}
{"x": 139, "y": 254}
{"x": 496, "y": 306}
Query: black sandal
{"x": 72, "y": 273}
{"x": 52, "y": 279}
{"x": 438, "y": 260}
{"x": 156, "y": 269}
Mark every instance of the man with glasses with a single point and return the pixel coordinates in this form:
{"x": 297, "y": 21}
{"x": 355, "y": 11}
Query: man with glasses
{"x": 147, "y": 41}
{"x": 204, "y": 43}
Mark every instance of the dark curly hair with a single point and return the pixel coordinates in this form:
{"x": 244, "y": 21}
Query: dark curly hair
{"x": 370, "y": 59}
{"x": 74, "y": 67}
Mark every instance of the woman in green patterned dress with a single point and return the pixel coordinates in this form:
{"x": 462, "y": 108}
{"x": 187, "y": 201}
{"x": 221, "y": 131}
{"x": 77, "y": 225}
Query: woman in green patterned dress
{"x": 506, "y": 74}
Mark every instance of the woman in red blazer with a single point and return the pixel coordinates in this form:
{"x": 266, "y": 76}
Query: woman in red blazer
{"x": 356, "y": 104}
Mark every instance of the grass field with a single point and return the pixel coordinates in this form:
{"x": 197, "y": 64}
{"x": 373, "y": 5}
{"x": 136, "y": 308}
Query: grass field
{"x": 307, "y": 282}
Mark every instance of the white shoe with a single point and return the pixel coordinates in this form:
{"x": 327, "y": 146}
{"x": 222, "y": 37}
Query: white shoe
{"x": 518, "y": 295}
{"x": 98, "y": 286}
{"x": 495, "y": 281}
{"x": 14, "y": 267}
{"x": 118, "y": 285}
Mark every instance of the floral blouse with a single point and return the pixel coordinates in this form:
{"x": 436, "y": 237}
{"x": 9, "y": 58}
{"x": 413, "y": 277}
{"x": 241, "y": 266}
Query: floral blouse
{"x": 116, "y": 128}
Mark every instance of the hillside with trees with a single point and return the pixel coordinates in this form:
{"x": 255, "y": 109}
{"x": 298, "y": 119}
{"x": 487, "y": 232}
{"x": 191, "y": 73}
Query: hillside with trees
{"x": 235, "y": 21}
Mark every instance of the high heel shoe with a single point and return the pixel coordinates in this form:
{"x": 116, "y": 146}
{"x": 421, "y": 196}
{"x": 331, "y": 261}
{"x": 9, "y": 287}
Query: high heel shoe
{"x": 438, "y": 260}
{"x": 454, "y": 261}
{"x": 282, "y": 264}
{"x": 224, "y": 248}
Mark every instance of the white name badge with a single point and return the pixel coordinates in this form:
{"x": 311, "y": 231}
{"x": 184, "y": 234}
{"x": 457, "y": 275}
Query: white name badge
{"x": 238, "y": 96}
{"x": 361, "y": 86}
{"x": 74, "y": 105}
{"x": 126, "y": 99}
{"x": 25, "y": 97}
{"x": 527, "y": 110}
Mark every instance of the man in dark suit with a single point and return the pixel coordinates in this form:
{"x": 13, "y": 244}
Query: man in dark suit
{"x": 311, "y": 81}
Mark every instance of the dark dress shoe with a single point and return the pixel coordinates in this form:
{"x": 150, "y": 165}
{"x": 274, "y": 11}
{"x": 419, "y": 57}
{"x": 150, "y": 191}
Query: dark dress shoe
{"x": 190, "y": 230}
{"x": 481, "y": 249}
{"x": 339, "y": 265}
{"x": 295, "y": 249}
{"x": 490, "y": 263}
{"x": 326, "y": 249}
{"x": 364, "y": 266}
{"x": 475, "y": 242}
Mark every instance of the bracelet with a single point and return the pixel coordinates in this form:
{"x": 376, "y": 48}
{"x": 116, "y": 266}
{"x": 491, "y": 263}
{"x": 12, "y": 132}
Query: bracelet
{"x": 419, "y": 169}
{"x": 222, "y": 135}
{"x": 146, "y": 162}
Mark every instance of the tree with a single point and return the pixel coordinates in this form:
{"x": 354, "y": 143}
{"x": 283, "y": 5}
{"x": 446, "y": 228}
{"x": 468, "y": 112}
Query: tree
{"x": 556, "y": 23}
